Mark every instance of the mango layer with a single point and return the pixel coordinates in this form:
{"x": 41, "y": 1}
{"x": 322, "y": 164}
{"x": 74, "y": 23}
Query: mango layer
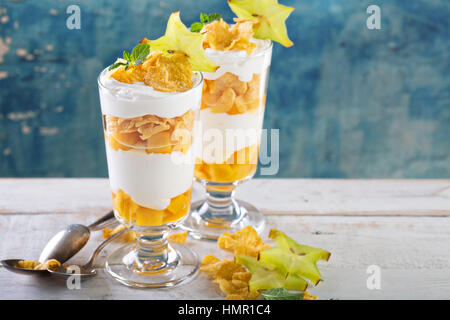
{"x": 239, "y": 165}
{"x": 143, "y": 216}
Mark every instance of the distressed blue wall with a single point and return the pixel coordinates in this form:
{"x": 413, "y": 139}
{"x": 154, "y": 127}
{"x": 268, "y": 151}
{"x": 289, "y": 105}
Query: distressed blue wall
{"x": 349, "y": 102}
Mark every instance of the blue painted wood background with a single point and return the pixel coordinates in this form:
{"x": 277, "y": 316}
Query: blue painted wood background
{"x": 349, "y": 102}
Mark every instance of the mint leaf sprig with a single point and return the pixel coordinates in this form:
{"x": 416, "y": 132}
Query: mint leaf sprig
{"x": 137, "y": 56}
{"x": 205, "y": 19}
{"x": 281, "y": 294}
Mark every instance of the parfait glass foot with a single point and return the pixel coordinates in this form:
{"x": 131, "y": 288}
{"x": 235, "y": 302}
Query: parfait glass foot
{"x": 220, "y": 213}
{"x": 152, "y": 264}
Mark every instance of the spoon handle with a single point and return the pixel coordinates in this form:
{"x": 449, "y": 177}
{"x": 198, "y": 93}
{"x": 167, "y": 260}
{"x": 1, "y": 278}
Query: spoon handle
{"x": 102, "y": 245}
{"x": 102, "y": 222}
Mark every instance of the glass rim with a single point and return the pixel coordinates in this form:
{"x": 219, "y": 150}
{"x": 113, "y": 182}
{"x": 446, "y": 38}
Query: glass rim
{"x": 175, "y": 93}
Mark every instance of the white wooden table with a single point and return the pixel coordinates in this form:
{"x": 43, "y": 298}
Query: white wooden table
{"x": 401, "y": 226}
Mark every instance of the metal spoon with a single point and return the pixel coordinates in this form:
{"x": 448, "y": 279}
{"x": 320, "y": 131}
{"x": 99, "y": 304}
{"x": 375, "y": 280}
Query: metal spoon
{"x": 87, "y": 271}
{"x": 66, "y": 243}
{"x": 62, "y": 246}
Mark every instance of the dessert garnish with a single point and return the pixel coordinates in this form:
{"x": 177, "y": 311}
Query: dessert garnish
{"x": 166, "y": 64}
{"x": 281, "y": 294}
{"x": 272, "y": 272}
{"x": 178, "y": 38}
{"x": 269, "y": 15}
{"x": 205, "y": 19}
{"x": 137, "y": 56}
{"x": 220, "y": 36}
{"x": 293, "y": 258}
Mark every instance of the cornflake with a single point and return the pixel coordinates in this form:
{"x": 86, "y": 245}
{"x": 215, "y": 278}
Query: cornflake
{"x": 179, "y": 237}
{"x": 51, "y": 264}
{"x": 219, "y": 35}
{"x": 228, "y": 94}
{"x": 231, "y": 277}
{"x": 244, "y": 242}
{"x": 166, "y": 73}
{"x": 129, "y": 237}
{"x": 150, "y": 132}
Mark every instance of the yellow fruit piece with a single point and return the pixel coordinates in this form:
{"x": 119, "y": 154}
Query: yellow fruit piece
{"x": 178, "y": 38}
{"x": 179, "y": 205}
{"x": 244, "y": 242}
{"x": 149, "y": 217}
{"x": 240, "y": 165}
{"x": 269, "y": 14}
{"x": 131, "y": 212}
{"x": 179, "y": 237}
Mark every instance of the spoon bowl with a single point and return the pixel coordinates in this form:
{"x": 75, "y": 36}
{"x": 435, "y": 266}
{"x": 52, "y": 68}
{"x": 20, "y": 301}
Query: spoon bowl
{"x": 88, "y": 270}
{"x": 66, "y": 243}
{"x": 63, "y": 245}
{"x": 10, "y": 264}
{"x": 69, "y": 241}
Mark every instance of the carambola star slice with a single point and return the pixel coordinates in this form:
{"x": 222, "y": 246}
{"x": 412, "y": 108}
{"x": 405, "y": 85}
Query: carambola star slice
{"x": 271, "y": 17}
{"x": 178, "y": 38}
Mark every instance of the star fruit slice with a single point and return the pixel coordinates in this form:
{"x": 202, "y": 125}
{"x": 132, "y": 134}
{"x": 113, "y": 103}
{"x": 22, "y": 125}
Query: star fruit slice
{"x": 178, "y": 38}
{"x": 294, "y": 258}
{"x": 271, "y": 17}
{"x": 267, "y": 276}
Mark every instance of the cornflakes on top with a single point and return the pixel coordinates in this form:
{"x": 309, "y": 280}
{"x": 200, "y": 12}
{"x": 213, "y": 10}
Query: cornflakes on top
{"x": 166, "y": 73}
{"x": 166, "y": 63}
{"x": 218, "y": 35}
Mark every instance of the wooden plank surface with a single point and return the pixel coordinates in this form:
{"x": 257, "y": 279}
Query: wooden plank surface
{"x": 272, "y": 196}
{"x": 412, "y": 251}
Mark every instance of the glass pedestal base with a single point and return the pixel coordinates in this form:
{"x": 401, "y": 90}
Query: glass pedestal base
{"x": 204, "y": 223}
{"x": 125, "y": 266}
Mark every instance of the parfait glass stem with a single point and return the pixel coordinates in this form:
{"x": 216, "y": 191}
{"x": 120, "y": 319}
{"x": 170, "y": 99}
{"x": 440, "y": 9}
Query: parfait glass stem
{"x": 152, "y": 251}
{"x": 220, "y": 207}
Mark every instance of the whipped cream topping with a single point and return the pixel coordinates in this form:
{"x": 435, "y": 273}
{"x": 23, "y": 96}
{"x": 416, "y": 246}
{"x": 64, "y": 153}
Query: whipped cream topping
{"x": 125, "y": 100}
{"x": 240, "y": 63}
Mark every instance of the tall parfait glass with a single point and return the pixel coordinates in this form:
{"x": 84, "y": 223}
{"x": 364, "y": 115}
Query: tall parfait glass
{"x": 149, "y": 138}
{"x": 231, "y": 117}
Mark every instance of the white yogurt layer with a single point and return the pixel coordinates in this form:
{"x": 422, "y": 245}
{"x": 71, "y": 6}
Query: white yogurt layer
{"x": 224, "y": 134}
{"x": 240, "y": 63}
{"x": 151, "y": 180}
{"x": 137, "y": 99}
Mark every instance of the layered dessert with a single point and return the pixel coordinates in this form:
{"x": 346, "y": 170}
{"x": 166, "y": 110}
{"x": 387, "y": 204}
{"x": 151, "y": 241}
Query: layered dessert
{"x": 233, "y": 100}
{"x": 232, "y": 111}
{"x": 150, "y": 100}
{"x": 148, "y": 135}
